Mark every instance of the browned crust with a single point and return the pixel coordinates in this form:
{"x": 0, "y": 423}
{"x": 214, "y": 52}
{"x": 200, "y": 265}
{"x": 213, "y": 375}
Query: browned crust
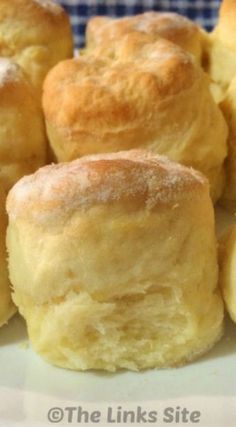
{"x": 118, "y": 93}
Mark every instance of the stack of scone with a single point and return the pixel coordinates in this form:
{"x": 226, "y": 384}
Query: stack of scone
{"x": 113, "y": 252}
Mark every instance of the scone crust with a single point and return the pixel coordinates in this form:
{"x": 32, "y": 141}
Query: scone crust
{"x": 228, "y": 106}
{"x": 36, "y": 34}
{"x": 23, "y": 144}
{"x": 170, "y": 26}
{"x": 38, "y": 21}
{"x": 147, "y": 94}
{"x": 117, "y": 94}
{"x": 227, "y": 258}
{"x": 134, "y": 177}
{"x": 227, "y": 17}
{"x": 220, "y": 51}
{"x": 7, "y": 308}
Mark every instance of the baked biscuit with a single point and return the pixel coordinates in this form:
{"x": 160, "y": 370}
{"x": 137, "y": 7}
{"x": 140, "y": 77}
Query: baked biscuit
{"x": 228, "y": 106}
{"x": 227, "y": 260}
{"x": 102, "y": 257}
{"x": 150, "y": 94}
{"x": 7, "y": 308}
{"x": 222, "y": 46}
{"x": 23, "y": 144}
{"x": 103, "y": 31}
{"x": 36, "y": 34}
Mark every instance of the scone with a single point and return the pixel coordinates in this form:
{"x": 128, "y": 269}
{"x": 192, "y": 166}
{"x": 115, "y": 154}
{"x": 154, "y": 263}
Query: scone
{"x": 7, "y": 308}
{"x": 36, "y": 34}
{"x": 149, "y": 95}
{"x": 222, "y": 46}
{"x": 23, "y": 144}
{"x": 228, "y": 106}
{"x": 227, "y": 260}
{"x": 104, "y": 31}
{"x": 113, "y": 262}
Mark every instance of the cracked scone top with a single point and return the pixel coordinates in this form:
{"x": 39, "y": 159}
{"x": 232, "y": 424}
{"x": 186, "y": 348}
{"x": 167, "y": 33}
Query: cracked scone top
{"x": 102, "y": 257}
{"x": 149, "y": 95}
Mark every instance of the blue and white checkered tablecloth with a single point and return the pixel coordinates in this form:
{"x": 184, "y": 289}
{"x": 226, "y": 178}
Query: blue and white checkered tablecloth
{"x": 201, "y": 11}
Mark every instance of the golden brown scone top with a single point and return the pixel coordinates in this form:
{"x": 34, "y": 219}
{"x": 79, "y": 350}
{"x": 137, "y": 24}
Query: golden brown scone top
{"x": 36, "y": 34}
{"x": 103, "y": 31}
{"x": 149, "y": 95}
{"x": 118, "y": 93}
{"x": 136, "y": 176}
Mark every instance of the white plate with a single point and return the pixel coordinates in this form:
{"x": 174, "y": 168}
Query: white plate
{"x": 29, "y": 387}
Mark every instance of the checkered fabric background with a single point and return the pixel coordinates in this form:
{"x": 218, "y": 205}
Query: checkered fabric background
{"x": 201, "y": 11}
